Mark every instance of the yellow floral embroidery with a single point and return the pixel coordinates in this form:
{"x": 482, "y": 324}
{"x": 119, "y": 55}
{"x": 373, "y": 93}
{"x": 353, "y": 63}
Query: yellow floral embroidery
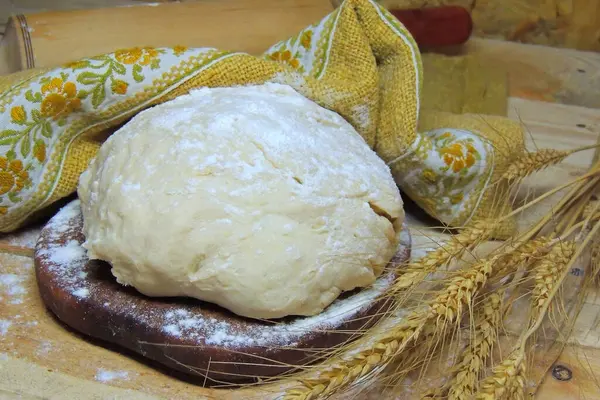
{"x": 142, "y": 56}
{"x": 77, "y": 64}
{"x": 39, "y": 151}
{"x": 443, "y": 169}
{"x": 285, "y": 57}
{"x": 429, "y": 175}
{"x": 306, "y": 39}
{"x": 456, "y": 157}
{"x": 60, "y": 98}
{"x": 18, "y": 115}
{"x": 179, "y": 50}
{"x": 119, "y": 87}
{"x": 13, "y": 177}
{"x": 456, "y": 199}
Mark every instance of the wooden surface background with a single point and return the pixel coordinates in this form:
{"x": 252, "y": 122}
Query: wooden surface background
{"x": 554, "y": 92}
{"x": 564, "y": 23}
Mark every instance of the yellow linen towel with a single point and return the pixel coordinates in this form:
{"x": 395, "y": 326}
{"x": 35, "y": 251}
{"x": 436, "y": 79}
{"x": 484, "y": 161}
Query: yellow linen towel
{"x": 358, "y": 61}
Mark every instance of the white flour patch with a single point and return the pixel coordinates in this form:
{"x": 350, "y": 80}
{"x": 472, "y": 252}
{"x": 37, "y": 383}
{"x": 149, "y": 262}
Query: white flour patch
{"x": 26, "y": 238}
{"x": 11, "y": 287}
{"x": 4, "y": 326}
{"x": 43, "y": 348}
{"x": 66, "y": 261}
{"x": 81, "y": 292}
{"x": 3, "y": 357}
{"x": 104, "y": 375}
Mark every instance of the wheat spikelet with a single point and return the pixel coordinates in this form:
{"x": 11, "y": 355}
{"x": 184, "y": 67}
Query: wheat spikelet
{"x": 446, "y": 307}
{"x": 531, "y": 162}
{"x": 507, "y": 380}
{"x": 464, "y": 241}
{"x": 547, "y": 273}
{"x": 473, "y": 360}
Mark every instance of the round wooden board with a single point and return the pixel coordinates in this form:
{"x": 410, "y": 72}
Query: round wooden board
{"x": 189, "y": 335}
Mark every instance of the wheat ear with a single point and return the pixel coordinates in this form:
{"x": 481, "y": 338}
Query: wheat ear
{"x": 532, "y": 162}
{"x": 446, "y": 307}
{"x": 455, "y": 248}
{"x": 536, "y": 161}
{"x": 547, "y": 273}
{"x": 474, "y": 358}
{"x": 507, "y": 380}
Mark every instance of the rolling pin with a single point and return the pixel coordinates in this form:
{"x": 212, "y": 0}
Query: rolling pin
{"x": 437, "y": 26}
{"x": 52, "y": 38}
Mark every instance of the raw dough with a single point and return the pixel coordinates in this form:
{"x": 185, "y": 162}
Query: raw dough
{"x": 254, "y": 198}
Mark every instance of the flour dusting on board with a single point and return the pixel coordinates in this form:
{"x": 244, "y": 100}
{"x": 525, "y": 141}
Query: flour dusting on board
{"x": 104, "y": 375}
{"x": 11, "y": 288}
{"x": 66, "y": 259}
{"x": 44, "y": 348}
{"x": 24, "y": 238}
{"x": 4, "y": 326}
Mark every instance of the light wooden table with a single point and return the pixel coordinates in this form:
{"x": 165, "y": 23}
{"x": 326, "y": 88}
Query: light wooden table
{"x": 555, "y": 93}
{"x": 11, "y": 7}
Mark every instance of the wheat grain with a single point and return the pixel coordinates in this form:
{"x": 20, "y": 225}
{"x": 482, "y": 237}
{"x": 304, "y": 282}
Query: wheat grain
{"x": 531, "y": 162}
{"x": 473, "y": 360}
{"x": 547, "y": 272}
{"x": 444, "y": 308}
{"x": 507, "y": 380}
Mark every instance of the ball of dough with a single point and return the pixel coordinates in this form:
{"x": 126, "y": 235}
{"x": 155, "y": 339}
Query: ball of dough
{"x": 254, "y": 198}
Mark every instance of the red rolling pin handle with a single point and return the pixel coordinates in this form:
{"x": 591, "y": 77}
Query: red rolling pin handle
{"x": 437, "y": 26}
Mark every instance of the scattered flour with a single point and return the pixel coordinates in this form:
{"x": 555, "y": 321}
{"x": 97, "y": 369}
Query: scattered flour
{"x": 43, "y": 348}
{"x": 4, "y": 325}
{"x": 25, "y": 238}
{"x": 104, "y": 375}
{"x": 81, "y": 292}
{"x": 11, "y": 285}
{"x": 66, "y": 260}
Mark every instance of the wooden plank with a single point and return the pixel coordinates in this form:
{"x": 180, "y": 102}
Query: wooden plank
{"x": 582, "y": 364}
{"x": 250, "y": 26}
{"x": 545, "y": 73}
{"x": 12, "y": 7}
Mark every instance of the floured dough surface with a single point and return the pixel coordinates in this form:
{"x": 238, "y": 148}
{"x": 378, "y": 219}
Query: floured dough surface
{"x": 254, "y": 198}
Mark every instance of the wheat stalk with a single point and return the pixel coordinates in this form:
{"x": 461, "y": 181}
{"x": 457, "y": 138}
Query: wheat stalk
{"x": 473, "y": 360}
{"x": 446, "y": 307}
